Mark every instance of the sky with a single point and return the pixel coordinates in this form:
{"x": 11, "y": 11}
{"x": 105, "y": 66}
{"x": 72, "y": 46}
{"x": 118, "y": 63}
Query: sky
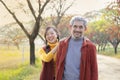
{"x": 79, "y": 7}
{"x": 83, "y": 6}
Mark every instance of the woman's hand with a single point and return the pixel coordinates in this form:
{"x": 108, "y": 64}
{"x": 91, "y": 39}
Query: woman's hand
{"x": 54, "y": 49}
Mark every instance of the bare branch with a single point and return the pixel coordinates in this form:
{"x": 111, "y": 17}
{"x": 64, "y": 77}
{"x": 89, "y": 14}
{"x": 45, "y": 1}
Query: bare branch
{"x": 31, "y": 9}
{"x": 41, "y": 38}
{"x": 60, "y": 9}
{"x": 67, "y": 9}
{"x": 14, "y": 16}
{"x": 42, "y": 9}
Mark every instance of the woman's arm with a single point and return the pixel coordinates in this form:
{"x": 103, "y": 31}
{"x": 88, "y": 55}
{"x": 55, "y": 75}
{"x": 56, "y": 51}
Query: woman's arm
{"x": 47, "y": 57}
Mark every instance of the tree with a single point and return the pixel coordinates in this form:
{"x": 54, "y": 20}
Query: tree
{"x": 60, "y": 7}
{"x": 112, "y": 14}
{"x": 11, "y": 35}
{"x": 96, "y": 29}
{"x": 64, "y": 26}
{"x": 97, "y": 34}
{"x": 114, "y": 36}
{"x": 58, "y": 17}
{"x": 37, "y": 17}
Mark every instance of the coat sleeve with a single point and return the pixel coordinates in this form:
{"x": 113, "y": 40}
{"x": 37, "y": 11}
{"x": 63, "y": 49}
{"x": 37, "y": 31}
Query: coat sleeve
{"x": 58, "y": 54}
{"x": 46, "y": 57}
{"x": 94, "y": 66}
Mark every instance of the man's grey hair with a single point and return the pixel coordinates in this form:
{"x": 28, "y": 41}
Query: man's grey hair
{"x": 78, "y": 18}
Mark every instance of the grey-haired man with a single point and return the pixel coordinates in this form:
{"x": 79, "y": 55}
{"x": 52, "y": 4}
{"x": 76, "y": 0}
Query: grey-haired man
{"x": 76, "y": 55}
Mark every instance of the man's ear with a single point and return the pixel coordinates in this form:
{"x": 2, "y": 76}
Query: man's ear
{"x": 86, "y": 28}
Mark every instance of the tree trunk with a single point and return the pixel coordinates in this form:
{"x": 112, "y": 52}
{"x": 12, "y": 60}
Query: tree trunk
{"x": 104, "y": 46}
{"x": 115, "y": 49}
{"x": 101, "y": 47}
{"x": 98, "y": 47}
{"x": 17, "y": 45}
{"x": 115, "y": 45}
{"x": 32, "y": 51}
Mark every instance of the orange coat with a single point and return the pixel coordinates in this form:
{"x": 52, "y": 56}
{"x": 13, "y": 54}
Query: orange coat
{"x": 88, "y": 66}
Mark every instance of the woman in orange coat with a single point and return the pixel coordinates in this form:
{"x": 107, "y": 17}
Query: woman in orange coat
{"x": 47, "y": 54}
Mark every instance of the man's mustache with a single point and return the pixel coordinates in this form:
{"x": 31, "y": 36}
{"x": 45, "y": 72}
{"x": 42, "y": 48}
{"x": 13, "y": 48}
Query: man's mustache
{"x": 77, "y": 32}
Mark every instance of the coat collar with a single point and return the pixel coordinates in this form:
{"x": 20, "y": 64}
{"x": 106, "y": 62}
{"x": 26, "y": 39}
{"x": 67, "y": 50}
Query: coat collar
{"x": 85, "y": 41}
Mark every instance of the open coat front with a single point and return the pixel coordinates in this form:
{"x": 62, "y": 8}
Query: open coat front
{"x": 88, "y": 66}
{"x": 47, "y": 72}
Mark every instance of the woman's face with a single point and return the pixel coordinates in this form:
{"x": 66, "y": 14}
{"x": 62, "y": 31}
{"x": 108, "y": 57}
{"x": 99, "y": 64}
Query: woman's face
{"x": 51, "y": 36}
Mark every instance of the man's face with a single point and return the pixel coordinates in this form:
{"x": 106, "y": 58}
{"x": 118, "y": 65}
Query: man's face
{"x": 77, "y": 29}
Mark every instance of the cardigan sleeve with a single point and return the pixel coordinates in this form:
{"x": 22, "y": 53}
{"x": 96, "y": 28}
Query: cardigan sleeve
{"x": 46, "y": 57}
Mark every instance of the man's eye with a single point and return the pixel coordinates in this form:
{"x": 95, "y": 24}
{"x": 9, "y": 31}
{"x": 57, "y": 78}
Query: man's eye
{"x": 75, "y": 26}
{"x": 80, "y": 26}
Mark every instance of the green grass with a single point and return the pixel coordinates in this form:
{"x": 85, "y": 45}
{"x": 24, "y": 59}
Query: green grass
{"x": 13, "y": 73}
{"x": 109, "y": 51}
{"x": 12, "y": 67}
{"x": 21, "y": 72}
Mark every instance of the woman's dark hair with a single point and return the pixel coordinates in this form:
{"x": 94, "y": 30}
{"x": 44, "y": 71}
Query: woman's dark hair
{"x": 46, "y": 30}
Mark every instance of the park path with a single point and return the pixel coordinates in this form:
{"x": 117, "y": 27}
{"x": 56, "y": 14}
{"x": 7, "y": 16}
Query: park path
{"x": 109, "y": 68}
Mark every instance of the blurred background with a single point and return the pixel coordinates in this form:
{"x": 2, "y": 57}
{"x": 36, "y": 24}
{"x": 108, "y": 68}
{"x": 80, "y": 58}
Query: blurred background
{"x": 22, "y": 25}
